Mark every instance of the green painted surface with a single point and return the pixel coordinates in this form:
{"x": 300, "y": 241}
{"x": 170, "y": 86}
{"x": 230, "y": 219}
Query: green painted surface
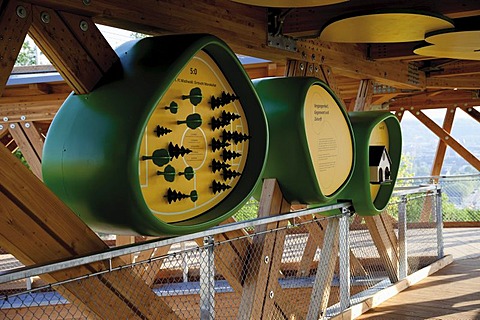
{"x": 91, "y": 152}
{"x": 289, "y": 159}
{"x": 358, "y": 190}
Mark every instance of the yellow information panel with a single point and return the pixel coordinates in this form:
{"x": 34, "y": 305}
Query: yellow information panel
{"x": 329, "y": 139}
{"x": 194, "y": 145}
{"x": 379, "y": 137}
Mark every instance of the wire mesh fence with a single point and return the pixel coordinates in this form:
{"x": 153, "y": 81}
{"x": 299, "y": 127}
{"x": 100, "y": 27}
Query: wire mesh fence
{"x": 301, "y": 265}
{"x": 461, "y": 195}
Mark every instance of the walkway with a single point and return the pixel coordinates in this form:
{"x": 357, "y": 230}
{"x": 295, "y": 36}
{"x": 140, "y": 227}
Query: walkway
{"x": 451, "y": 293}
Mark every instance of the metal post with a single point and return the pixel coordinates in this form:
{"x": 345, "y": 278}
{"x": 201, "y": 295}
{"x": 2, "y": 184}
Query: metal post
{"x": 439, "y": 222}
{"x": 207, "y": 280}
{"x": 344, "y": 252}
{"x": 402, "y": 237}
{"x": 184, "y": 262}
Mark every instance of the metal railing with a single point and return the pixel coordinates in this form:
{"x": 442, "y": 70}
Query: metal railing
{"x": 461, "y": 195}
{"x": 298, "y": 264}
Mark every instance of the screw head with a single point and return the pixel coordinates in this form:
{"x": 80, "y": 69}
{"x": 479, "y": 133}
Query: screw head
{"x": 86, "y": 2}
{"x": 83, "y": 25}
{"x": 1, "y": 127}
{"x": 23, "y": 118}
{"x": 5, "y": 119}
{"x": 302, "y": 66}
{"x": 271, "y": 294}
{"x": 27, "y": 125}
{"x": 266, "y": 259}
{"x": 21, "y": 12}
{"x": 12, "y": 125}
{"x": 45, "y": 17}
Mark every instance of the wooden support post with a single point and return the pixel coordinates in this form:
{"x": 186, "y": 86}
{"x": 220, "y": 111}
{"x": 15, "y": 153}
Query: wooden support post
{"x": 30, "y": 143}
{"x": 230, "y": 255}
{"x": 442, "y": 146}
{"x": 74, "y": 45}
{"x": 36, "y": 227}
{"x": 385, "y": 240}
{"x": 364, "y": 95}
{"x": 261, "y": 290}
{"x": 448, "y": 139}
{"x": 325, "y": 271}
{"x": 15, "y": 19}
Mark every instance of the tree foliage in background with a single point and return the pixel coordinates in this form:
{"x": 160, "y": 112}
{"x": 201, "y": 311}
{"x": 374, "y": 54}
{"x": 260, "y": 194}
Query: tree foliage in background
{"x": 20, "y": 156}
{"x": 26, "y": 57}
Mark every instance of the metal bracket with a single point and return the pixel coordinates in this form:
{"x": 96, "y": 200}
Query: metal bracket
{"x": 276, "y": 39}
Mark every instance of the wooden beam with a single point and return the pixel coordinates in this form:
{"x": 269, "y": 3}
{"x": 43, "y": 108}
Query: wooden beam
{"x": 15, "y": 19}
{"x": 442, "y": 146}
{"x": 448, "y": 139}
{"x": 37, "y": 228}
{"x": 245, "y": 34}
{"x": 443, "y": 99}
{"x": 392, "y": 51}
{"x": 472, "y": 112}
{"x": 325, "y": 271}
{"x": 457, "y": 68}
{"x": 31, "y": 150}
{"x": 74, "y": 45}
{"x": 364, "y": 96}
{"x": 453, "y": 83}
{"x": 261, "y": 290}
{"x": 381, "y": 232}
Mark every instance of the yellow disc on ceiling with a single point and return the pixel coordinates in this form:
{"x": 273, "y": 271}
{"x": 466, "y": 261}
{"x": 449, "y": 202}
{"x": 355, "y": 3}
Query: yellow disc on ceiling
{"x": 289, "y": 3}
{"x": 444, "y": 51}
{"x": 384, "y": 27}
{"x": 452, "y": 38}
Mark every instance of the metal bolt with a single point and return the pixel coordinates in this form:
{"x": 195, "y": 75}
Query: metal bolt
{"x": 45, "y": 17}
{"x": 1, "y": 127}
{"x": 399, "y": 113}
{"x": 411, "y": 108}
{"x": 302, "y": 66}
{"x": 469, "y": 110}
{"x": 446, "y": 137}
{"x": 23, "y": 118}
{"x": 417, "y": 113}
{"x": 316, "y": 69}
{"x": 313, "y": 56}
{"x": 266, "y": 259}
{"x": 86, "y": 2}
{"x": 21, "y": 12}
{"x": 310, "y": 68}
{"x": 271, "y": 294}
{"x": 84, "y": 25}
{"x": 402, "y": 108}
{"x": 27, "y": 125}
{"x": 12, "y": 125}
{"x": 304, "y": 55}
{"x": 5, "y": 119}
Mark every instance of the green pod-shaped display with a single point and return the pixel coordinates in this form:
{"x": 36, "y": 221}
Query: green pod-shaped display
{"x": 135, "y": 156}
{"x": 378, "y": 141}
{"x": 311, "y": 148}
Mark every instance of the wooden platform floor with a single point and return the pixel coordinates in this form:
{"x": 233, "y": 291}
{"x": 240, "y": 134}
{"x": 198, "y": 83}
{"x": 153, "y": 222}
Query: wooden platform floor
{"x": 451, "y": 293}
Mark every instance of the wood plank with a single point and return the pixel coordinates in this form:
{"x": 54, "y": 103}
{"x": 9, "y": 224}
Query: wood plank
{"x": 472, "y": 112}
{"x": 34, "y": 137}
{"x": 39, "y": 228}
{"x": 364, "y": 96}
{"x": 60, "y": 44}
{"x": 325, "y": 271}
{"x": 29, "y": 151}
{"x": 91, "y": 40}
{"x": 448, "y": 139}
{"x": 262, "y": 260}
{"x": 442, "y": 146}
{"x": 354, "y": 312}
{"x": 14, "y": 29}
{"x": 388, "y": 250}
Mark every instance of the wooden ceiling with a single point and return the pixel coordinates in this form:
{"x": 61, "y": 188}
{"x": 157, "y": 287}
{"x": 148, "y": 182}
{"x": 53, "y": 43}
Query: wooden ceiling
{"x": 380, "y": 75}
